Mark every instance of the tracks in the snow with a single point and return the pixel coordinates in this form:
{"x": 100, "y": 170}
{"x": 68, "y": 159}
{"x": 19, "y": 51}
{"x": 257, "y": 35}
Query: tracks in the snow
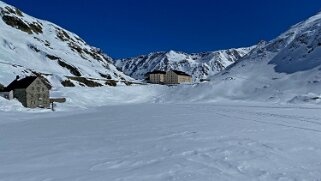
{"x": 284, "y": 120}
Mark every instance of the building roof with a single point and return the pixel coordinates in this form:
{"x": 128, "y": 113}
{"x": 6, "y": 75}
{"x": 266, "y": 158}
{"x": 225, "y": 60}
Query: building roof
{"x": 180, "y": 73}
{"x": 20, "y": 84}
{"x": 157, "y": 72}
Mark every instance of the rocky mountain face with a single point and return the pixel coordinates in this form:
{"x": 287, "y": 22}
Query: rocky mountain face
{"x": 32, "y": 46}
{"x": 199, "y": 65}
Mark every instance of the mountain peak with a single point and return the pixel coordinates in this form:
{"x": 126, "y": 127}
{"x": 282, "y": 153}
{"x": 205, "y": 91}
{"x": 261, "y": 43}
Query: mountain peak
{"x": 29, "y": 45}
{"x": 310, "y": 24}
{"x": 175, "y": 56}
{"x": 172, "y": 51}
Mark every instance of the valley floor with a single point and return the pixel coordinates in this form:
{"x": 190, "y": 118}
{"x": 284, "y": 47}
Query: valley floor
{"x": 150, "y": 142}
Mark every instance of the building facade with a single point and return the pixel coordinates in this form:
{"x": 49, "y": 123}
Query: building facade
{"x": 177, "y": 77}
{"x": 157, "y": 77}
{"x": 32, "y": 92}
{"x": 169, "y": 77}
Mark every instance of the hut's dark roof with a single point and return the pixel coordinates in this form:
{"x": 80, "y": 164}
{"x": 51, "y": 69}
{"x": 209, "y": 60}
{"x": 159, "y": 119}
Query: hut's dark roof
{"x": 180, "y": 73}
{"x": 157, "y": 72}
{"x": 20, "y": 84}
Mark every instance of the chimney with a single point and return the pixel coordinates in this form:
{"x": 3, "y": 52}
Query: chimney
{"x": 17, "y": 77}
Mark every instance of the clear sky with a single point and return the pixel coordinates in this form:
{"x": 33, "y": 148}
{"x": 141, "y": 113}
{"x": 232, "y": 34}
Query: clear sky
{"x": 126, "y": 28}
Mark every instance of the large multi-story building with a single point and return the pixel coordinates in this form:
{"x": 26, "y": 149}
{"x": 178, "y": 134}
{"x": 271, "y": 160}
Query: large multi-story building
{"x": 169, "y": 77}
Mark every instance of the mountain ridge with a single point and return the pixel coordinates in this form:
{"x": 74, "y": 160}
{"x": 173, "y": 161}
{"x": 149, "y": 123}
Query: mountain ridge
{"x": 29, "y": 45}
{"x": 286, "y": 69}
{"x": 200, "y": 65}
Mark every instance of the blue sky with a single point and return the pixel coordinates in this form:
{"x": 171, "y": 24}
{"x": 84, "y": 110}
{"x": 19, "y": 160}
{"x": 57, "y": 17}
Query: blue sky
{"x": 126, "y": 28}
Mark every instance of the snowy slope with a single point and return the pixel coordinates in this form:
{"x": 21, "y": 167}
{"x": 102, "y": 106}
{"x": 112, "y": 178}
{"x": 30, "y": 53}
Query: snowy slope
{"x": 286, "y": 68}
{"x": 31, "y": 45}
{"x": 200, "y": 65}
{"x": 157, "y": 142}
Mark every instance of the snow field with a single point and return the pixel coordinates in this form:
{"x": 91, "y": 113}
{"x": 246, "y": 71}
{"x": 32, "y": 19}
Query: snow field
{"x": 217, "y": 141}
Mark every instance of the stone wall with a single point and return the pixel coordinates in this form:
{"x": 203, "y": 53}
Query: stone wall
{"x": 37, "y": 95}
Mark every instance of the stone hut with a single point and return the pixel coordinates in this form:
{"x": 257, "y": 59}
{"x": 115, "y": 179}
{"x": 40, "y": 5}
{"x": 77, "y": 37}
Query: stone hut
{"x": 31, "y": 91}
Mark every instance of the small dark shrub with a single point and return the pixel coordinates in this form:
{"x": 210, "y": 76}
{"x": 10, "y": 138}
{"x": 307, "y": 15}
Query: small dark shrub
{"x": 2, "y": 87}
{"x": 111, "y": 83}
{"x": 16, "y": 23}
{"x": 18, "y": 12}
{"x": 35, "y": 27}
{"x": 85, "y": 81}
{"x": 52, "y": 57}
{"x": 107, "y": 76}
{"x": 72, "y": 69}
{"x": 34, "y": 48}
{"x": 67, "y": 83}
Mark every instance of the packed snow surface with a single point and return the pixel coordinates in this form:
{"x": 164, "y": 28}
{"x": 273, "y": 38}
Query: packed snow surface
{"x": 132, "y": 134}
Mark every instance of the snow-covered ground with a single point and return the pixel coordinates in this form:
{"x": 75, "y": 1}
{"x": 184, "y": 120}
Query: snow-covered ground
{"x": 259, "y": 119}
{"x": 134, "y": 134}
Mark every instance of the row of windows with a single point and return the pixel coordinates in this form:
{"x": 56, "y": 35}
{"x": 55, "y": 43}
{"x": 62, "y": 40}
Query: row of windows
{"x": 38, "y": 89}
{"x": 38, "y": 96}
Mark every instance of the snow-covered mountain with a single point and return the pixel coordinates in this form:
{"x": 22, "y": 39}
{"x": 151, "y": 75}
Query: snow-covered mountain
{"x": 29, "y": 45}
{"x": 288, "y": 67}
{"x": 284, "y": 70}
{"x": 200, "y": 65}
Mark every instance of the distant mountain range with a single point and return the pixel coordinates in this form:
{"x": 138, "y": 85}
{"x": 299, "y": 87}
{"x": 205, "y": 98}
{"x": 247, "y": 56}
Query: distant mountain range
{"x": 32, "y": 46}
{"x": 199, "y": 65}
{"x": 288, "y": 67}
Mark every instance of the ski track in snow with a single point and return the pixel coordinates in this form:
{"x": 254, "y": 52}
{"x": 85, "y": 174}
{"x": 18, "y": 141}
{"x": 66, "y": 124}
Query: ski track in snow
{"x": 163, "y": 142}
